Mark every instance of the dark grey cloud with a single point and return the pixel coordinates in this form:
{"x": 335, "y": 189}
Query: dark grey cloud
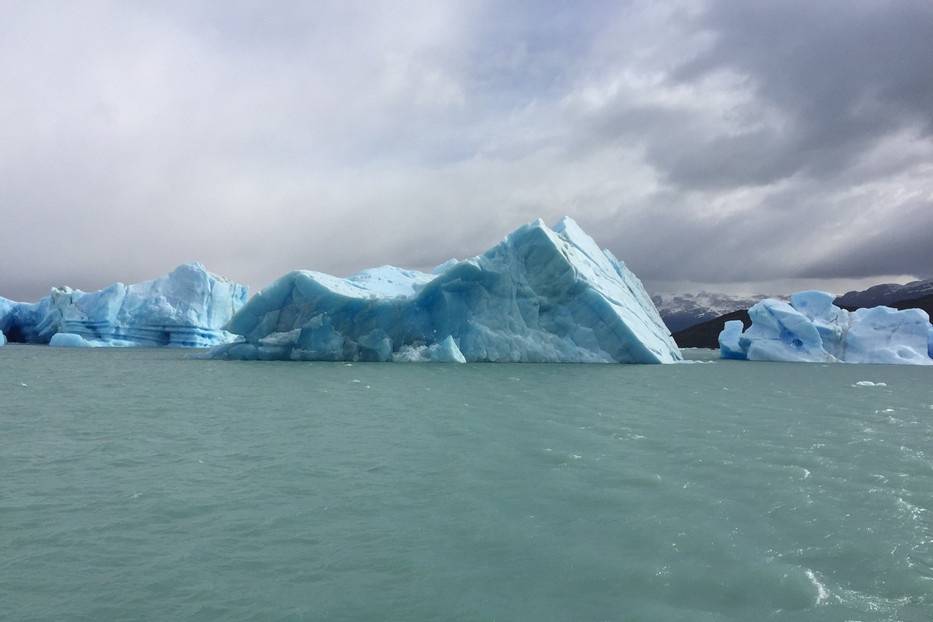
{"x": 826, "y": 81}
{"x": 888, "y": 247}
{"x": 701, "y": 141}
{"x": 841, "y": 74}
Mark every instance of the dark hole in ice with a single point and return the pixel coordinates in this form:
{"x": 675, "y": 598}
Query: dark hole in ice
{"x": 14, "y": 334}
{"x": 797, "y": 343}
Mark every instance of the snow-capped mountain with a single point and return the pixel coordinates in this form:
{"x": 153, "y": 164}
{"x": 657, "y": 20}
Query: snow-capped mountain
{"x": 680, "y": 311}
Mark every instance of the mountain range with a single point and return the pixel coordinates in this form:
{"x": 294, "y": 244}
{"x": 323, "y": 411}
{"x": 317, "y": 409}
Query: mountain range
{"x": 681, "y": 311}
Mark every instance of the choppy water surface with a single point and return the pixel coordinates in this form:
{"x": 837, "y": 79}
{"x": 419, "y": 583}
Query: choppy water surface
{"x": 142, "y": 484}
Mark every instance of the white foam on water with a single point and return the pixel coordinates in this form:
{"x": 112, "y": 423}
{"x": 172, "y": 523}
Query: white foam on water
{"x": 822, "y": 594}
{"x": 906, "y": 507}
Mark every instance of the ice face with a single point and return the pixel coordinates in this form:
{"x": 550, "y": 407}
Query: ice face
{"x": 186, "y": 308}
{"x": 812, "y": 329}
{"x": 541, "y": 295}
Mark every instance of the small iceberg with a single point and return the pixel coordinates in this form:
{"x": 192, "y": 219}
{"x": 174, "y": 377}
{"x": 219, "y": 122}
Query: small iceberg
{"x": 811, "y": 329}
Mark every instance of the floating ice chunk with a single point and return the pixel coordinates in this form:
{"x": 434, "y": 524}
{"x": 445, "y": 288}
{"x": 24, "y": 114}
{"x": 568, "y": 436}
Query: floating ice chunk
{"x": 70, "y": 340}
{"x": 869, "y": 383}
{"x": 811, "y": 329}
{"x": 541, "y": 295}
{"x": 729, "y": 340}
{"x": 186, "y": 308}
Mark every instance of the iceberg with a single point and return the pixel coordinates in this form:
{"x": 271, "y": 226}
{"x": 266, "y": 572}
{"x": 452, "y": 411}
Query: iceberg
{"x": 810, "y": 328}
{"x": 729, "y": 340}
{"x": 541, "y": 295}
{"x": 186, "y": 308}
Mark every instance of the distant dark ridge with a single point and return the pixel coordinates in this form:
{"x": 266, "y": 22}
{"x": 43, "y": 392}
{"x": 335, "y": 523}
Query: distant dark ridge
{"x": 925, "y": 303}
{"x": 888, "y": 294}
{"x": 706, "y": 334}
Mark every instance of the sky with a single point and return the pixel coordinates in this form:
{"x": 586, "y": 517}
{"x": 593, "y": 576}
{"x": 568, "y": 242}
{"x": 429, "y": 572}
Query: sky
{"x": 747, "y": 145}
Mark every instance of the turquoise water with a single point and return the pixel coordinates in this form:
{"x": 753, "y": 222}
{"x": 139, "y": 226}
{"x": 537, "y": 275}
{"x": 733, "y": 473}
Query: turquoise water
{"x": 143, "y": 485}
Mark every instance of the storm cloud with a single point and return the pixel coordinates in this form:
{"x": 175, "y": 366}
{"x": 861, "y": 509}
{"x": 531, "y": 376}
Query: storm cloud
{"x": 708, "y": 142}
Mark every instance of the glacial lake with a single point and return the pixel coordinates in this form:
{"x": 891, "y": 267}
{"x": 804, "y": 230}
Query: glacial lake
{"x": 151, "y": 485}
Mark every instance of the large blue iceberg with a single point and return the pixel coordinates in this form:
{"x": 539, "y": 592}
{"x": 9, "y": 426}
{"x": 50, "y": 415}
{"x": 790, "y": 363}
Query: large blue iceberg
{"x": 812, "y": 329}
{"x": 541, "y": 295}
{"x": 189, "y": 307}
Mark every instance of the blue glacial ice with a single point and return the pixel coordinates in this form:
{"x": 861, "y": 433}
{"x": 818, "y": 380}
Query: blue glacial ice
{"x": 812, "y": 329}
{"x": 189, "y": 307}
{"x": 541, "y": 295}
{"x": 729, "y": 346}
